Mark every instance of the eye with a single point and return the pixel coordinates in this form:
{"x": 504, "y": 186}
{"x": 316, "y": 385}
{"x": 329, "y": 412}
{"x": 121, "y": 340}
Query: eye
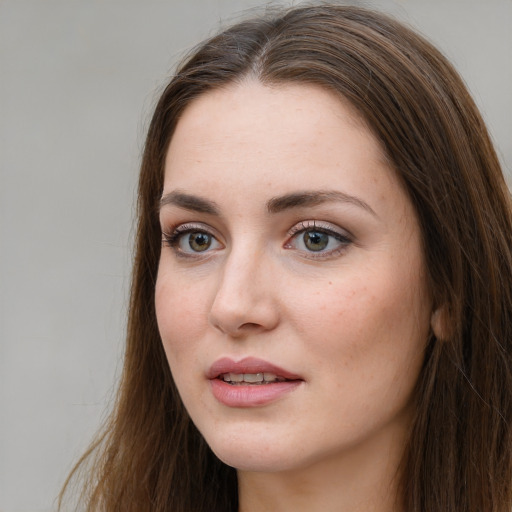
{"x": 318, "y": 240}
{"x": 197, "y": 242}
{"x": 315, "y": 240}
{"x": 190, "y": 240}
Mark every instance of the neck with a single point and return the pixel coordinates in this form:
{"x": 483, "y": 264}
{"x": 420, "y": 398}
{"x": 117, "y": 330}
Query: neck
{"x": 364, "y": 478}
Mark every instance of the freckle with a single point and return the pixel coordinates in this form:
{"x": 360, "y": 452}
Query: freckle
{"x": 330, "y": 282}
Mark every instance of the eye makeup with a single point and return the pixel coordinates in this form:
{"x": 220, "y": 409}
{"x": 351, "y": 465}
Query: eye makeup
{"x": 318, "y": 240}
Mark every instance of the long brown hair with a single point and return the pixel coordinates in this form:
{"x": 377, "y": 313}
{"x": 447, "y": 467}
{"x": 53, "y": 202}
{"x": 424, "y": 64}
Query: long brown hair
{"x": 459, "y": 455}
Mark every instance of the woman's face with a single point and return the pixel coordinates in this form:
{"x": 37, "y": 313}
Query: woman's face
{"x": 291, "y": 295}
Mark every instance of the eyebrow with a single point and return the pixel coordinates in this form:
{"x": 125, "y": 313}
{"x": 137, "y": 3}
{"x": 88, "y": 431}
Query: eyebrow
{"x": 190, "y": 202}
{"x": 315, "y": 198}
{"x": 275, "y": 205}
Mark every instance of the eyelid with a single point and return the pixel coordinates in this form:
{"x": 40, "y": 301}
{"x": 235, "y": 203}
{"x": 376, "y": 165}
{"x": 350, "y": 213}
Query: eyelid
{"x": 323, "y": 226}
{"x": 344, "y": 238}
{"x": 172, "y": 235}
{"x": 185, "y": 227}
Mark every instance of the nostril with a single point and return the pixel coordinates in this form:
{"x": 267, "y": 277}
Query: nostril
{"x": 250, "y": 326}
{"x": 244, "y": 329}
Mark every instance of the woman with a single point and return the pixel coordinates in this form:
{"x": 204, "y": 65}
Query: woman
{"x": 320, "y": 312}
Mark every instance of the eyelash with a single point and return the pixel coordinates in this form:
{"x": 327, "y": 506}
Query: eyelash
{"x": 344, "y": 239}
{"x": 173, "y": 237}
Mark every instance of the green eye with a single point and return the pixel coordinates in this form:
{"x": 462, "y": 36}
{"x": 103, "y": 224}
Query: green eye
{"x": 315, "y": 240}
{"x": 318, "y": 241}
{"x": 199, "y": 241}
{"x": 189, "y": 240}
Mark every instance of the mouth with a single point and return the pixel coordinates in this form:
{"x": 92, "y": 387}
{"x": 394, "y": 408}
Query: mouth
{"x": 249, "y": 370}
{"x": 250, "y": 382}
{"x": 255, "y": 379}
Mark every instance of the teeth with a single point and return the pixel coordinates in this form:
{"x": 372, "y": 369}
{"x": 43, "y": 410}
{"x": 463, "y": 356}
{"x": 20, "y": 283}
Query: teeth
{"x": 251, "y": 378}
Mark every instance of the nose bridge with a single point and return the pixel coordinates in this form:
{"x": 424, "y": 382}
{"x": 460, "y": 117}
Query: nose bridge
{"x": 245, "y": 299}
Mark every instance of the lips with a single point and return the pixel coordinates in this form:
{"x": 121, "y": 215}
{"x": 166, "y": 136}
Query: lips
{"x": 250, "y": 382}
{"x": 250, "y": 366}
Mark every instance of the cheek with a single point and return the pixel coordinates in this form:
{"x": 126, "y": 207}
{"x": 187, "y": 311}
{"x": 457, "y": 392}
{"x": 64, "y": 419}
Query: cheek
{"x": 181, "y": 316}
{"x": 369, "y": 327}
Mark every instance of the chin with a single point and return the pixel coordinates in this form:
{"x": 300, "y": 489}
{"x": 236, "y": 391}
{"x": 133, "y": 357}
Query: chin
{"x": 258, "y": 455}
{"x": 256, "y": 462}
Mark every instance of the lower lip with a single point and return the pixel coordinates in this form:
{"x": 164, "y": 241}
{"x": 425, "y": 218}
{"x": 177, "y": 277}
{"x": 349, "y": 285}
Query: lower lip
{"x": 251, "y": 395}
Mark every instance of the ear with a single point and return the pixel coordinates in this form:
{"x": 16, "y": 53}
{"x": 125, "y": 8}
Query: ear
{"x": 440, "y": 323}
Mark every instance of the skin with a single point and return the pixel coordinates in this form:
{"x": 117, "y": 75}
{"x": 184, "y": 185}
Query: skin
{"x": 351, "y": 319}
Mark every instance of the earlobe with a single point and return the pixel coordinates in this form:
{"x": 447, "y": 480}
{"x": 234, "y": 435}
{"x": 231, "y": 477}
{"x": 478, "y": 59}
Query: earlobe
{"x": 440, "y": 323}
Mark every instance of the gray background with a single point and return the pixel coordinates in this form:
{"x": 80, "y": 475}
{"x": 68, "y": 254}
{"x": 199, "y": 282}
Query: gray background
{"x": 77, "y": 83}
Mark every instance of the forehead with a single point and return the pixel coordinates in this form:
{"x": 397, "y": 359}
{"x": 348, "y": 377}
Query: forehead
{"x": 251, "y": 141}
{"x": 268, "y": 128}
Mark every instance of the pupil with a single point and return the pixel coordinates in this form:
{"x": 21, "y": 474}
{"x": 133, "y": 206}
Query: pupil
{"x": 315, "y": 240}
{"x": 199, "y": 241}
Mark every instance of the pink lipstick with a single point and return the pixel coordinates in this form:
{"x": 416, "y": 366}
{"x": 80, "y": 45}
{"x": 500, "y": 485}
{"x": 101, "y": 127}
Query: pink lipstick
{"x": 250, "y": 382}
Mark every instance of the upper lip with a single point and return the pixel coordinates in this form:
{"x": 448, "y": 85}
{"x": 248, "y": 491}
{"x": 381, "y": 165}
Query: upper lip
{"x": 247, "y": 365}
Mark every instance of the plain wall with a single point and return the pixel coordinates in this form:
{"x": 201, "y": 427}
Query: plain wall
{"x": 78, "y": 80}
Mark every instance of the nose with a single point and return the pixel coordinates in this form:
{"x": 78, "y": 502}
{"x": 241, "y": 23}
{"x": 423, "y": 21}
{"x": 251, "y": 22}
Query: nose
{"x": 245, "y": 301}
